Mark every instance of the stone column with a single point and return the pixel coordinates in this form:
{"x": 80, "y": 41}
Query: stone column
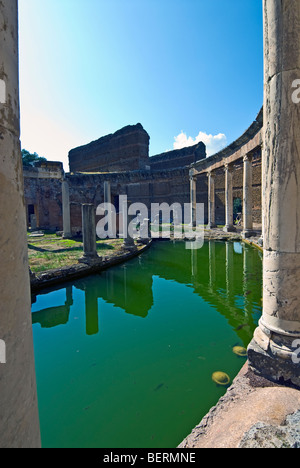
{"x": 247, "y": 198}
{"x": 107, "y": 192}
{"x": 193, "y": 198}
{"x": 128, "y": 240}
{"x": 19, "y": 420}
{"x": 272, "y": 352}
{"x": 107, "y": 200}
{"x": 90, "y": 255}
{"x": 228, "y": 199}
{"x": 67, "y": 233}
{"x": 211, "y": 201}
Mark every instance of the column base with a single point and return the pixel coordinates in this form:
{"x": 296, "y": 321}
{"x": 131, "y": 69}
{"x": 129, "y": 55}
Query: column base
{"x": 275, "y": 358}
{"x": 229, "y": 229}
{"x": 67, "y": 235}
{"x": 129, "y": 246}
{"x": 211, "y": 226}
{"x": 90, "y": 260}
{"x": 248, "y": 233}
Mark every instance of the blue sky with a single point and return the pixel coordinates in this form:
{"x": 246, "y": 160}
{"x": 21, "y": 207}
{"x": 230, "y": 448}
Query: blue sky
{"x": 185, "y": 69}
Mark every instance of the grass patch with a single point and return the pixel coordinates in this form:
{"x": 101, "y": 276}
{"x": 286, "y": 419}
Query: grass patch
{"x": 51, "y": 252}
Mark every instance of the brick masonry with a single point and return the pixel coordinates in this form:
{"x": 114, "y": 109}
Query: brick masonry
{"x": 158, "y": 179}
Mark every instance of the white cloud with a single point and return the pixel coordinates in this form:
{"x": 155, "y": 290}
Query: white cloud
{"x": 214, "y": 143}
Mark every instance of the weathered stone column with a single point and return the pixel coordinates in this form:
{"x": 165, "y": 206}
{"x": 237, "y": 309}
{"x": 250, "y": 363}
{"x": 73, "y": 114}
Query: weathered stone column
{"x": 193, "y": 198}
{"x": 247, "y": 198}
{"x": 19, "y": 421}
{"x": 128, "y": 240}
{"x": 90, "y": 255}
{"x": 67, "y": 233}
{"x": 272, "y": 351}
{"x": 107, "y": 201}
{"x": 228, "y": 199}
{"x": 107, "y": 192}
{"x": 211, "y": 201}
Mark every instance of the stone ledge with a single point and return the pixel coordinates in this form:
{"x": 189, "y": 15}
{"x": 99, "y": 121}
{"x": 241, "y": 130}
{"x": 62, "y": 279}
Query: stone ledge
{"x": 253, "y": 413}
{"x": 64, "y": 274}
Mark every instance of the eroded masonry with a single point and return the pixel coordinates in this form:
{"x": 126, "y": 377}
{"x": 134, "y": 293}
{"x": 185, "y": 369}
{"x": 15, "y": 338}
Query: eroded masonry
{"x": 53, "y": 199}
{"x": 121, "y": 162}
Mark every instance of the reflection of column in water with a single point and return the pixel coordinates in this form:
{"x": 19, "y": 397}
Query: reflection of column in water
{"x": 91, "y": 311}
{"x": 229, "y": 270}
{"x": 69, "y": 296}
{"x": 125, "y": 284}
{"x": 194, "y": 267}
{"x": 212, "y": 263}
{"x": 109, "y": 283}
{"x": 247, "y": 268}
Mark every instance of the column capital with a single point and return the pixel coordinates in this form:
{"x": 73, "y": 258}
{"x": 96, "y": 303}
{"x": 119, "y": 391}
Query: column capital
{"x": 193, "y": 173}
{"x": 228, "y": 167}
{"x": 211, "y": 174}
{"x": 247, "y": 158}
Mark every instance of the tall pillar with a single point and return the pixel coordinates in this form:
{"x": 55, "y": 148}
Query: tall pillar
{"x": 211, "y": 201}
{"x": 276, "y": 340}
{"x": 19, "y": 420}
{"x": 90, "y": 255}
{"x": 128, "y": 239}
{"x": 67, "y": 233}
{"x": 107, "y": 192}
{"x": 228, "y": 199}
{"x": 247, "y": 198}
{"x": 193, "y": 198}
{"x": 107, "y": 201}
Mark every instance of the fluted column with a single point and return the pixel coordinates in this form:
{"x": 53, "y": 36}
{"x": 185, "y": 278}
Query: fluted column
{"x": 211, "y": 201}
{"x": 247, "y": 198}
{"x": 19, "y": 420}
{"x": 228, "y": 199}
{"x": 272, "y": 352}
{"x": 67, "y": 234}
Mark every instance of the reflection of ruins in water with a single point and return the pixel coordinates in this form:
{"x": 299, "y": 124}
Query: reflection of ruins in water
{"x": 218, "y": 273}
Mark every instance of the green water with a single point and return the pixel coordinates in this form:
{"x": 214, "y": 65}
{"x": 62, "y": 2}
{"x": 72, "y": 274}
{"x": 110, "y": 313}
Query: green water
{"x": 124, "y": 359}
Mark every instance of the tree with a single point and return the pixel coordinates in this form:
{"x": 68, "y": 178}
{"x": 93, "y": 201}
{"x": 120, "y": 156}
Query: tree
{"x": 29, "y": 159}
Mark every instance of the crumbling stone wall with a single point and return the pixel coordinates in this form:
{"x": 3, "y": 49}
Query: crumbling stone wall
{"x": 178, "y": 158}
{"x": 125, "y": 150}
{"x": 165, "y": 177}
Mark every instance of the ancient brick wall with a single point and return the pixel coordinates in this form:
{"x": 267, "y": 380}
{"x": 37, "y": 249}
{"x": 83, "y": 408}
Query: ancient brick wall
{"x": 178, "y": 158}
{"x": 146, "y": 187}
{"x": 45, "y": 196}
{"x": 162, "y": 181}
{"x": 125, "y": 150}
